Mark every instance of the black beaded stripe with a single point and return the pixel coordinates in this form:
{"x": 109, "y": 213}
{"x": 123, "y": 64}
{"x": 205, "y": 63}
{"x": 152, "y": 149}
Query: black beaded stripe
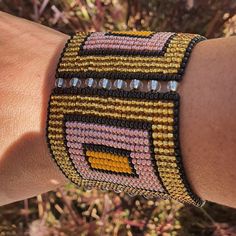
{"x": 187, "y": 54}
{"x": 130, "y": 35}
{"x": 122, "y": 52}
{"x": 102, "y": 148}
{"x": 117, "y": 93}
{"x": 117, "y": 151}
{"x": 139, "y": 125}
{"x": 178, "y": 156}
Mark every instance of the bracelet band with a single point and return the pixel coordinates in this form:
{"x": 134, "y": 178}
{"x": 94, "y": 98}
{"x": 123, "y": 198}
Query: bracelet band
{"x": 105, "y": 129}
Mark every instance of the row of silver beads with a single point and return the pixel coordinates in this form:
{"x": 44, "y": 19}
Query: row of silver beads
{"x": 152, "y": 85}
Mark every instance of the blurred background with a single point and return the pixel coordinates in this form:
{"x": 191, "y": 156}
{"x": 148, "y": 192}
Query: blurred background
{"x": 73, "y": 212}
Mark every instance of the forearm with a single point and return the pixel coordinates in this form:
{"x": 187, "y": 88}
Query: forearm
{"x": 207, "y": 113}
{"x": 27, "y": 66}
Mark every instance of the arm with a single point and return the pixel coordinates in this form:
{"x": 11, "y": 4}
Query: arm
{"x": 28, "y": 64}
{"x": 207, "y": 116}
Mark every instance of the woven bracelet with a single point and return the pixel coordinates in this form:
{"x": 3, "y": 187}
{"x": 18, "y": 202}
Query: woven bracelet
{"x": 110, "y": 125}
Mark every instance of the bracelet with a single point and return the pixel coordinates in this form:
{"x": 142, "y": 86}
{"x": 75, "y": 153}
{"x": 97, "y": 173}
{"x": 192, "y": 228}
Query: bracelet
{"x": 110, "y": 125}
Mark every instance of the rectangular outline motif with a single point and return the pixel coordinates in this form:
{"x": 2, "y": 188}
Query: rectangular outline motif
{"x": 170, "y": 66}
{"x": 136, "y": 125}
{"x": 185, "y": 195}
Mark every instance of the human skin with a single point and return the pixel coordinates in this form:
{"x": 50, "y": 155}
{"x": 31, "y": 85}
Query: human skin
{"x": 29, "y": 55}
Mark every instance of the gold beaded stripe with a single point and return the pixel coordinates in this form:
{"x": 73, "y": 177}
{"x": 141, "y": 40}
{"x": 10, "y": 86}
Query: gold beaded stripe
{"x": 168, "y": 64}
{"x": 159, "y": 113}
{"x": 108, "y": 161}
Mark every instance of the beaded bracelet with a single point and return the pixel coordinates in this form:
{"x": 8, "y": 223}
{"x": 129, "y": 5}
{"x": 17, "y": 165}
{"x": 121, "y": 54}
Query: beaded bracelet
{"x": 105, "y": 129}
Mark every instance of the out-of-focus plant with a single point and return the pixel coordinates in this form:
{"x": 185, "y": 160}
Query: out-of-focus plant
{"x": 70, "y": 211}
{"x": 212, "y": 18}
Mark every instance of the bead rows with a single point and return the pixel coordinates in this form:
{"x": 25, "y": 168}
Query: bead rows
{"x": 108, "y": 129}
{"x": 168, "y": 63}
{"x": 165, "y": 153}
{"x": 135, "y": 84}
{"x": 108, "y": 162}
{"x": 135, "y": 191}
{"x": 116, "y": 155}
{"x": 148, "y": 179}
{"x": 148, "y": 176}
{"x": 111, "y": 44}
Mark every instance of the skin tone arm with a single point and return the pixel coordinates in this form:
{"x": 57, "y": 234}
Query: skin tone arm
{"x": 29, "y": 54}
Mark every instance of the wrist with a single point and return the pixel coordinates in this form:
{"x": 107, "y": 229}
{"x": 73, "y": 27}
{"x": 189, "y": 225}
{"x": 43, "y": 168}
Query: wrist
{"x": 207, "y": 117}
{"x": 27, "y": 77}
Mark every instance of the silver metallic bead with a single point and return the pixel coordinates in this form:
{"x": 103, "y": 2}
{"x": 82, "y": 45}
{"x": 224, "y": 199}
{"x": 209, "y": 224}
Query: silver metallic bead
{"x": 120, "y": 84}
{"x": 90, "y": 82}
{"x": 60, "y": 82}
{"x": 172, "y": 86}
{"x": 75, "y": 82}
{"x": 136, "y": 84}
{"x": 153, "y": 85}
{"x": 105, "y": 83}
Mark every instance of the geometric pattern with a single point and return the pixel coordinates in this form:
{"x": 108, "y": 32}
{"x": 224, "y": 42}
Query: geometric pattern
{"x": 153, "y": 44}
{"x": 141, "y": 55}
{"x": 113, "y": 138}
{"x": 138, "y": 126}
{"x": 109, "y": 160}
{"x": 140, "y": 157}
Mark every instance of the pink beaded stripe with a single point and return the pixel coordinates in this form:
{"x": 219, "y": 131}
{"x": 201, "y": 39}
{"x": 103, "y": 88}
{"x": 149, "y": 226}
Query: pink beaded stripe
{"x": 79, "y": 133}
{"x": 101, "y": 41}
